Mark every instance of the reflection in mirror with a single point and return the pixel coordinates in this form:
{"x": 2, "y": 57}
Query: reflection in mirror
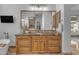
{"x": 31, "y": 22}
{"x": 39, "y": 20}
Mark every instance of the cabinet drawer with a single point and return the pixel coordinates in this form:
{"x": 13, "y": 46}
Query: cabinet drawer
{"x": 52, "y": 37}
{"x": 38, "y": 37}
{"x": 26, "y": 43}
{"x": 24, "y": 50}
{"x": 53, "y": 49}
{"x": 53, "y": 43}
{"x": 26, "y": 37}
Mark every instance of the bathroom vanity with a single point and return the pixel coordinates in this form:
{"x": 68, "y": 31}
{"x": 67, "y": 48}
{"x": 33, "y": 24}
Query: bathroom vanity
{"x": 38, "y": 33}
{"x": 36, "y": 43}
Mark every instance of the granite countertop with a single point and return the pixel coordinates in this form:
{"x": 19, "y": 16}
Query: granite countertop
{"x": 53, "y": 34}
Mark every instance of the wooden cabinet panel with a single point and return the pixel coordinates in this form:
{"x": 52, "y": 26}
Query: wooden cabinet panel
{"x": 24, "y": 50}
{"x": 35, "y": 44}
{"x": 38, "y": 37}
{"x": 53, "y": 49}
{"x": 24, "y": 42}
{"x": 43, "y": 46}
{"x": 23, "y": 37}
{"x": 38, "y": 44}
{"x": 52, "y": 37}
{"x": 53, "y": 43}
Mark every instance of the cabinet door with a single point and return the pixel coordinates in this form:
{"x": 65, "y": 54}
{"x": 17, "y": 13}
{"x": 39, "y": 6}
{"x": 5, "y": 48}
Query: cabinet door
{"x": 24, "y": 44}
{"x": 52, "y": 49}
{"x": 35, "y": 46}
{"x": 53, "y": 44}
{"x": 42, "y": 46}
{"x": 38, "y": 44}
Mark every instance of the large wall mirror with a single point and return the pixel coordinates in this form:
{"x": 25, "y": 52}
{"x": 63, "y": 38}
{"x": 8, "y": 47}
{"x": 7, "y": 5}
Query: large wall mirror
{"x": 39, "y": 20}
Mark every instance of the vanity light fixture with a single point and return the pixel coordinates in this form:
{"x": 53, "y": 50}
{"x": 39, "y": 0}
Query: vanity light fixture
{"x": 38, "y": 7}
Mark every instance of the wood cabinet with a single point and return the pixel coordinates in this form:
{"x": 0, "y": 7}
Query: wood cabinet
{"x": 23, "y": 44}
{"x": 53, "y": 44}
{"x": 37, "y": 44}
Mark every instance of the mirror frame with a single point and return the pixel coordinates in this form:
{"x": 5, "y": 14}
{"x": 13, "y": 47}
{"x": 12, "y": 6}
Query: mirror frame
{"x": 55, "y": 21}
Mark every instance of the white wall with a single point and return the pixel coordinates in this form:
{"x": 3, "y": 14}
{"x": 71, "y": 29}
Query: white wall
{"x": 65, "y": 22}
{"x": 11, "y": 28}
{"x": 67, "y": 29}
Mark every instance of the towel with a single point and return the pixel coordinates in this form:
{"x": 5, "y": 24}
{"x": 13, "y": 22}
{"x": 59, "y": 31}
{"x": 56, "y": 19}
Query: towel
{"x": 2, "y": 45}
